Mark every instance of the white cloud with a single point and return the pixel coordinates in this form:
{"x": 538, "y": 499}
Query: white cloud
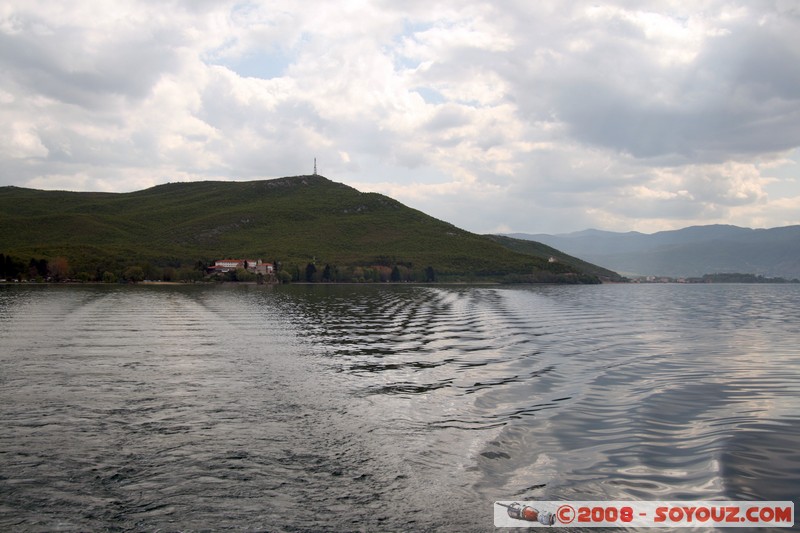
{"x": 21, "y": 141}
{"x": 538, "y": 116}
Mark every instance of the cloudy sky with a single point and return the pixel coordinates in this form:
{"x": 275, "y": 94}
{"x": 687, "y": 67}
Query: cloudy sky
{"x": 545, "y": 116}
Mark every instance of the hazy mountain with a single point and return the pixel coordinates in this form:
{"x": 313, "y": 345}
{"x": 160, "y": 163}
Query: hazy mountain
{"x": 692, "y": 251}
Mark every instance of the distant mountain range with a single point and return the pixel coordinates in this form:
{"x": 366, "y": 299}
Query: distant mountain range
{"x": 687, "y": 252}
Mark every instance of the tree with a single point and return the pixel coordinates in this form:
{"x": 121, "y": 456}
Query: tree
{"x": 37, "y": 268}
{"x": 284, "y": 277}
{"x": 133, "y": 274}
{"x": 7, "y": 268}
{"x": 383, "y": 273}
{"x": 370, "y": 274}
{"x": 395, "y": 277}
{"x": 326, "y": 273}
{"x": 58, "y": 268}
{"x": 168, "y": 274}
{"x": 109, "y": 277}
{"x": 10, "y": 268}
{"x": 430, "y": 274}
{"x": 311, "y": 270}
{"x": 151, "y": 272}
{"x": 406, "y": 274}
{"x": 243, "y": 275}
{"x": 187, "y": 274}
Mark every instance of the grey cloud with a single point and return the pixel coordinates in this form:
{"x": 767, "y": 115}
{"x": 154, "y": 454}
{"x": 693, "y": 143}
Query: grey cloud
{"x": 58, "y": 65}
{"x": 677, "y": 208}
{"x": 446, "y": 117}
{"x": 739, "y": 97}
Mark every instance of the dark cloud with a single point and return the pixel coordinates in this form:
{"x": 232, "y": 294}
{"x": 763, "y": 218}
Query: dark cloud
{"x": 447, "y": 117}
{"x": 60, "y": 63}
{"x": 738, "y": 97}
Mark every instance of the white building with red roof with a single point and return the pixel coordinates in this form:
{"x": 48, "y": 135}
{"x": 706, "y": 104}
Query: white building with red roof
{"x": 256, "y": 266}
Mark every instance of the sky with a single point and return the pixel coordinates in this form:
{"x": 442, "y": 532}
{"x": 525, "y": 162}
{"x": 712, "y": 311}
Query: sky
{"x": 497, "y": 116}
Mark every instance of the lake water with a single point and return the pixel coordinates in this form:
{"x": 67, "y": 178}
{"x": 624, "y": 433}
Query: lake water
{"x": 387, "y": 408}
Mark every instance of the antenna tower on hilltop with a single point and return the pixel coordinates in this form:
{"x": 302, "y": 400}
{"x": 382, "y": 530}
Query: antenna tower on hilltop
{"x": 315, "y": 166}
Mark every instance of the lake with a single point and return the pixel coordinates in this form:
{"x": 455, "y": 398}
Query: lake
{"x": 387, "y": 408}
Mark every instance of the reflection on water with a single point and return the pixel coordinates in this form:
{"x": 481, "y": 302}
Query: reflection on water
{"x": 387, "y": 407}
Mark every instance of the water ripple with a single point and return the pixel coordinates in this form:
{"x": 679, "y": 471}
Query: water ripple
{"x": 144, "y": 408}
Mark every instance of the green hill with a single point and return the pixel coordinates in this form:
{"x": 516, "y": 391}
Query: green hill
{"x": 294, "y": 220}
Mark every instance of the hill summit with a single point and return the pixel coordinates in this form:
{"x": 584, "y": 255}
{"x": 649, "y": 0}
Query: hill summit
{"x": 292, "y": 221}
